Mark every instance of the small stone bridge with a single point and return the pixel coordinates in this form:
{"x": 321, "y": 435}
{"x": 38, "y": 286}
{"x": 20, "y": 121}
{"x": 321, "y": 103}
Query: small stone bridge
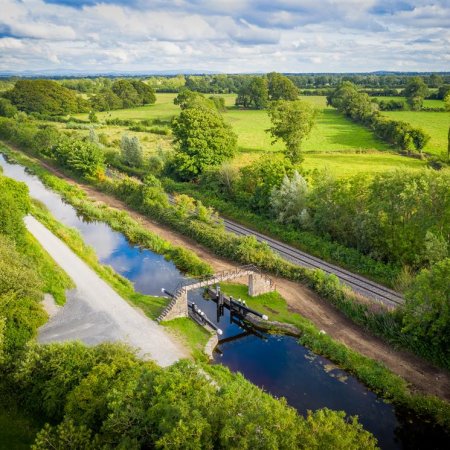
{"x": 258, "y": 284}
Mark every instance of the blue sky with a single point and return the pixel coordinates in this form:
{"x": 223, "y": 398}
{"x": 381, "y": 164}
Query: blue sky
{"x": 225, "y": 35}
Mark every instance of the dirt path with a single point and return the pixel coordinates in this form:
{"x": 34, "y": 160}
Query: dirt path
{"x": 422, "y": 376}
{"x": 95, "y": 313}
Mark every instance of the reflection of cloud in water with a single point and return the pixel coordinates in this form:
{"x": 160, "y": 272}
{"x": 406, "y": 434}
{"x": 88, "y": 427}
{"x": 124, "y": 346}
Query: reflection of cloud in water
{"x": 100, "y": 236}
{"x": 154, "y": 273}
{"x": 120, "y": 263}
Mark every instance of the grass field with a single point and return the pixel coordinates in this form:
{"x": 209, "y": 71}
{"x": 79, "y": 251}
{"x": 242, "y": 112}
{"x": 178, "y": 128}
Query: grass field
{"x": 336, "y": 143}
{"x": 436, "y": 124}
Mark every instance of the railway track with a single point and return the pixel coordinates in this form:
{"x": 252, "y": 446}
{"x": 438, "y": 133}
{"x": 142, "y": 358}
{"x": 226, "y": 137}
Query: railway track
{"x": 358, "y": 283}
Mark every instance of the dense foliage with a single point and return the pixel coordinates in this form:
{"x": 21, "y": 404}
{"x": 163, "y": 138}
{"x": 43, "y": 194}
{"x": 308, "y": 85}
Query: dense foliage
{"x": 202, "y": 139}
{"x": 427, "y": 309}
{"x": 415, "y": 92}
{"x": 292, "y": 122}
{"x": 124, "y": 93}
{"x": 104, "y": 397}
{"x": 45, "y": 97}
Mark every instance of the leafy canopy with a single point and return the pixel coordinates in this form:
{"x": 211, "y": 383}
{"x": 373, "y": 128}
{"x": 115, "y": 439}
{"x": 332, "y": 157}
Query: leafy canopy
{"x": 45, "y": 97}
{"x": 292, "y": 122}
{"x": 202, "y": 139}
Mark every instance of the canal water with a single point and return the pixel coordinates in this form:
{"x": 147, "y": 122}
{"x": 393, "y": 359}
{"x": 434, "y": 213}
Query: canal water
{"x": 278, "y": 364}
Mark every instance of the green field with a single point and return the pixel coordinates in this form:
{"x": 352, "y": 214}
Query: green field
{"x": 436, "y": 124}
{"x": 337, "y": 144}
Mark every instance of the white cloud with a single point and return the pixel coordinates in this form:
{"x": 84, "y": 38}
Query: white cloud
{"x": 225, "y": 35}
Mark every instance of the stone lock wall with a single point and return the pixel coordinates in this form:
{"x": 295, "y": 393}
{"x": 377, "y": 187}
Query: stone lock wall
{"x": 180, "y": 307}
{"x": 258, "y": 285}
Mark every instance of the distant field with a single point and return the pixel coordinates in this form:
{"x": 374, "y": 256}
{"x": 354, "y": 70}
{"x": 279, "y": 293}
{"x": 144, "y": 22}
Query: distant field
{"x": 426, "y": 103}
{"x": 436, "y": 124}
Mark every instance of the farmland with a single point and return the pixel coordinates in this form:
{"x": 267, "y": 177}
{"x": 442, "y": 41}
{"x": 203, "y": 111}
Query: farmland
{"x": 436, "y": 124}
{"x": 342, "y": 147}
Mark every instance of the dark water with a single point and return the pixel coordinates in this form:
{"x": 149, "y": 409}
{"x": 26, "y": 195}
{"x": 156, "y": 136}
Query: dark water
{"x": 276, "y": 363}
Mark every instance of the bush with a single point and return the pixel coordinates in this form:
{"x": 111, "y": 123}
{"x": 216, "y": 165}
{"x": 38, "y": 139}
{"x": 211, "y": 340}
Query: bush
{"x": 103, "y": 396}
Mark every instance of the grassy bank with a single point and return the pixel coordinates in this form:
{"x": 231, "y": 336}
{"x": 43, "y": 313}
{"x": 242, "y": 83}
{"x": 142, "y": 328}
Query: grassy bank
{"x": 372, "y": 373}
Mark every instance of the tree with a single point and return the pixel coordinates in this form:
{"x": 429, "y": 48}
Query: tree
{"x": 257, "y": 180}
{"x": 190, "y": 99}
{"x": 131, "y": 151}
{"x": 145, "y": 92}
{"x": 106, "y": 100}
{"x": 288, "y": 201}
{"x": 125, "y": 90}
{"x": 415, "y": 92}
{"x": 7, "y": 109}
{"x": 281, "y": 87}
{"x": 83, "y": 157}
{"x": 292, "y": 122}
{"x": 92, "y": 117}
{"x": 427, "y": 307}
{"x": 202, "y": 139}
{"x": 436, "y": 80}
{"x": 45, "y": 97}
{"x": 254, "y": 93}
{"x": 447, "y": 101}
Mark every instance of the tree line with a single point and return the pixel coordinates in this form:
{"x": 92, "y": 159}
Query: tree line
{"x": 49, "y": 98}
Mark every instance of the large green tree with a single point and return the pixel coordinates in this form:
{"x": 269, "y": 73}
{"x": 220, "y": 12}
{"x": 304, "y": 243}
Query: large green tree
{"x": 45, "y": 97}
{"x": 292, "y": 122}
{"x": 202, "y": 139}
{"x": 281, "y": 87}
{"x": 254, "y": 94}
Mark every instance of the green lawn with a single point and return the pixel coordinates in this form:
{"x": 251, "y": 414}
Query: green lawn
{"x": 436, "y": 124}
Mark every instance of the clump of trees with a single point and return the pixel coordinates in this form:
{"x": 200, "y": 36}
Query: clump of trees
{"x": 80, "y": 155}
{"x": 359, "y": 107}
{"x": 45, "y": 97}
{"x": 256, "y": 92}
{"x": 123, "y": 93}
{"x": 105, "y": 397}
{"x": 427, "y": 309}
{"x": 202, "y": 137}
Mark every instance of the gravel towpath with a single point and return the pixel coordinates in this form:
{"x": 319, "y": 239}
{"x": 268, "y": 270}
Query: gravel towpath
{"x": 95, "y": 313}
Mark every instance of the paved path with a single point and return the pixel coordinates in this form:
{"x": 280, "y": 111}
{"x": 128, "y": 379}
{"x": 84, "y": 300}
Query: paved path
{"x": 95, "y": 313}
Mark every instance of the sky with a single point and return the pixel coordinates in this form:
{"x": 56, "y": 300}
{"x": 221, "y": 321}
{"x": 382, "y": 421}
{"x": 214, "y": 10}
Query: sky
{"x": 230, "y": 36}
